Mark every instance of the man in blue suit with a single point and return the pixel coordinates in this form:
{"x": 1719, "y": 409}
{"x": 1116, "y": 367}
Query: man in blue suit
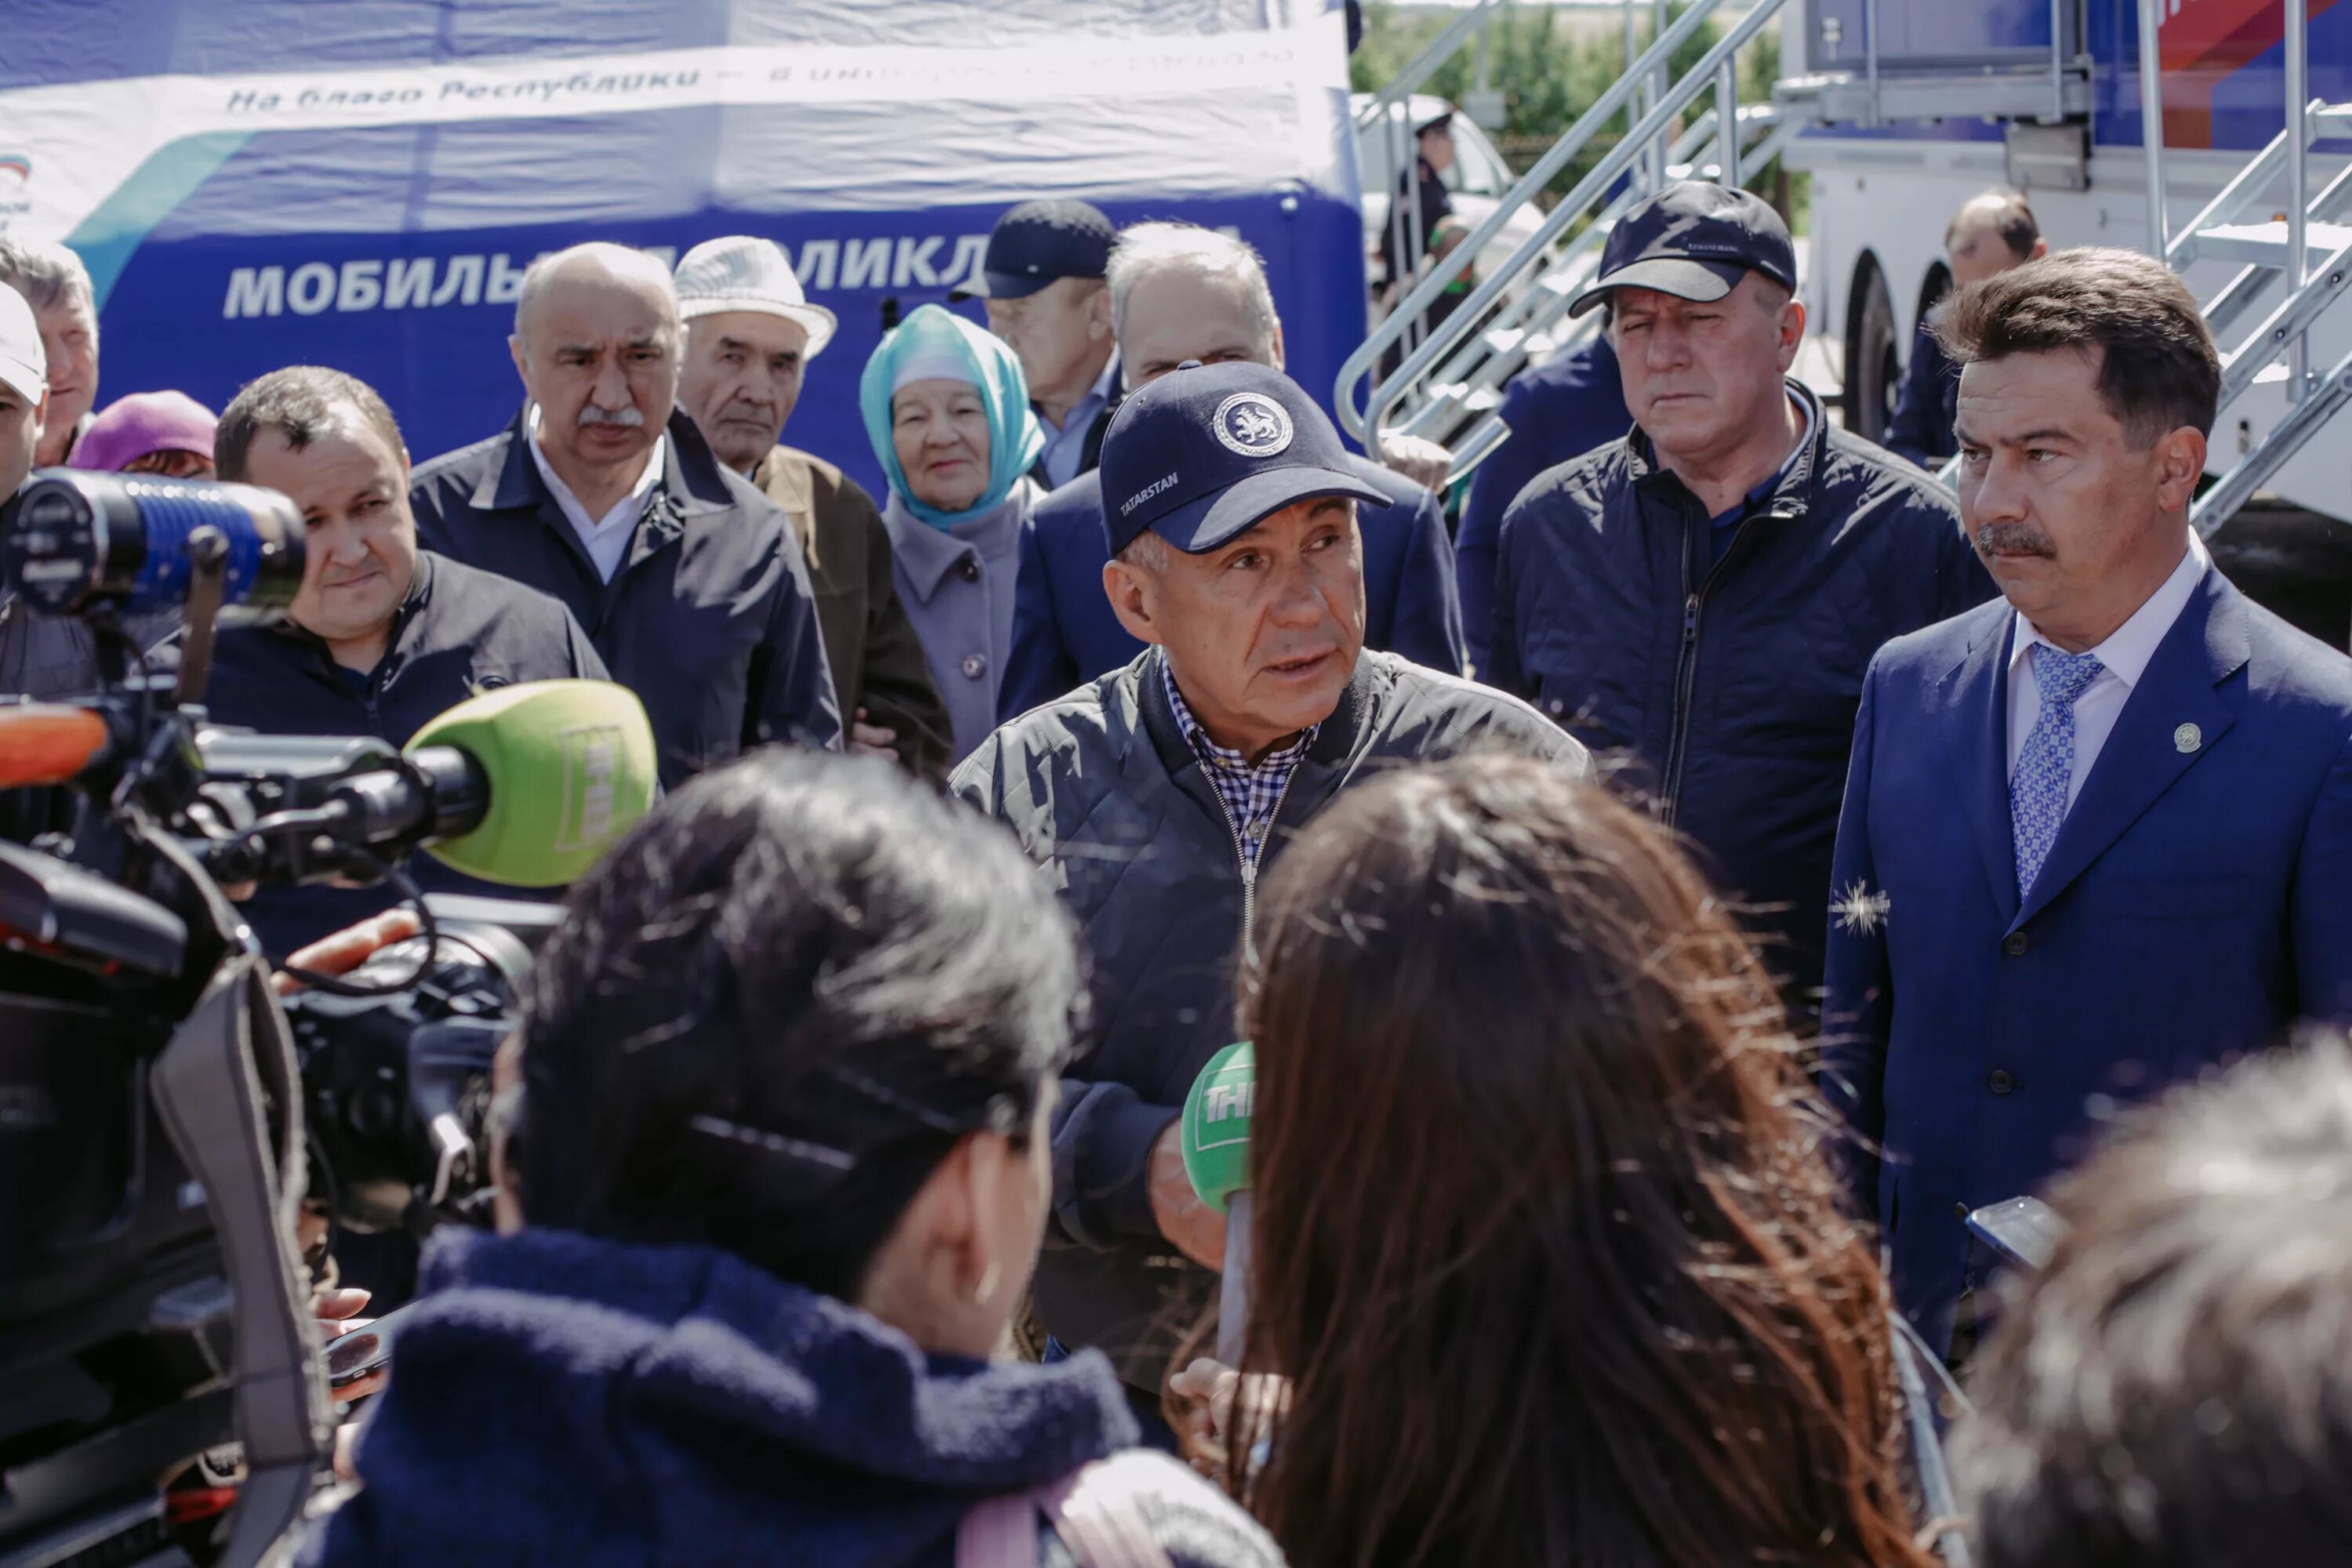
{"x": 2097, "y": 835}
{"x": 1182, "y": 293}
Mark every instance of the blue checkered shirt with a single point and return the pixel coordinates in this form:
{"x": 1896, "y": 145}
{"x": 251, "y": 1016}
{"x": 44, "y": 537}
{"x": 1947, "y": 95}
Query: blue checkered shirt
{"x": 1251, "y": 791}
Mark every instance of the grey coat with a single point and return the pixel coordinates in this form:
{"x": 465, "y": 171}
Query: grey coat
{"x": 956, "y": 584}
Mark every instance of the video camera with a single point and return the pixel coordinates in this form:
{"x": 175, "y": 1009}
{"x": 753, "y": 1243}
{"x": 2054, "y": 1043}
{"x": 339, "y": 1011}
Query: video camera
{"x": 161, "y": 1120}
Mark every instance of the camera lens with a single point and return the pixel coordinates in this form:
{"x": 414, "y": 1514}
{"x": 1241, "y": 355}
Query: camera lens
{"x": 75, "y": 541}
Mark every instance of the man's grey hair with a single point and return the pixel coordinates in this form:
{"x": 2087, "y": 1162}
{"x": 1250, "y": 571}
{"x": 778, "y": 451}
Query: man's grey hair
{"x": 619, "y": 259}
{"x": 1148, "y": 250}
{"x": 1147, "y": 550}
{"x": 47, "y": 276}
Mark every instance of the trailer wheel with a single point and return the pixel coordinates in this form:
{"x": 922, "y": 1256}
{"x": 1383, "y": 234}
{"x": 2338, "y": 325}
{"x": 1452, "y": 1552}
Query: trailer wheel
{"x": 1873, "y": 363}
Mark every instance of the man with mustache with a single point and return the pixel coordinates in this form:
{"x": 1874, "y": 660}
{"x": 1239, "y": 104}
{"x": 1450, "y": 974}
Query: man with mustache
{"x": 1703, "y": 595}
{"x": 603, "y": 494}
{"x": 382, "y": 636}
{"x": 1155, "y": 795}
{"x": 2098, "y": 834}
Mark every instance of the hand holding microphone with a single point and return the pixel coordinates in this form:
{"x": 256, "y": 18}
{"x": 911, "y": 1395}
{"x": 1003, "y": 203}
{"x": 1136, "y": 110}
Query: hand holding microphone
{"x": 1215, "y": 1131}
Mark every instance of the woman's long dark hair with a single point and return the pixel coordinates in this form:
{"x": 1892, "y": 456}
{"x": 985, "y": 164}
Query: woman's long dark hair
{"x": 1546, "y": 1239}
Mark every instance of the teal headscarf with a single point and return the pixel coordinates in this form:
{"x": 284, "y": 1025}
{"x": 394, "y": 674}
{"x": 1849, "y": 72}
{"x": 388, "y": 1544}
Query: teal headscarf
{"x": 936, "y": 335}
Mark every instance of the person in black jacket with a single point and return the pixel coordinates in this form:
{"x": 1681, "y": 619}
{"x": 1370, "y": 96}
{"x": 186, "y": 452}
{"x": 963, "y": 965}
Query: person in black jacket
{"x": 1990, "y": 234}
{"x": 1185, "y": 293}
{"x": 1705, "y": 595}
{"x": 383, "y": 636}
{"x": 1153, "y": 798}
{"x": 688, "y": 579}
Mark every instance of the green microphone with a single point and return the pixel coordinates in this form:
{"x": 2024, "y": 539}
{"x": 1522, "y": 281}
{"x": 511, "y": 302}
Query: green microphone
{"x": 567, "y": 767}
{"x": 1215, "y": 1142}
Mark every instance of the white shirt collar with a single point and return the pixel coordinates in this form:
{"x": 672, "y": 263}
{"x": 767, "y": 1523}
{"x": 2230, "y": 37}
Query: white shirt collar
{"x": 2128, "y": 648}
{"x": 627, "y": 507}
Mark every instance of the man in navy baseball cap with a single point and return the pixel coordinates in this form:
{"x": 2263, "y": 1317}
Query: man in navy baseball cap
{"x": 1230, "y": 512}
{"x": 1043, "y": 278}
{"x": 1703, "y": 596}
{"x": 1695, "y": 240}
{"x": 1155, "y": 797}
{"x": 1204, "y": 455}
{"x": 1037, "y": 242}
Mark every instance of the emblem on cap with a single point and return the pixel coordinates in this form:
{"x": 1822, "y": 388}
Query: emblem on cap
{"x": 1252, "y": 425}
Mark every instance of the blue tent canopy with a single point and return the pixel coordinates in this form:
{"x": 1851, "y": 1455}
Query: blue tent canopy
{"x": 262, "y": 183}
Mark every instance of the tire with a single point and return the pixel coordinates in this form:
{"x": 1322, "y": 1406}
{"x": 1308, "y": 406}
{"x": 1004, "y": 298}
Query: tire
{"x": 1874, "y": 359}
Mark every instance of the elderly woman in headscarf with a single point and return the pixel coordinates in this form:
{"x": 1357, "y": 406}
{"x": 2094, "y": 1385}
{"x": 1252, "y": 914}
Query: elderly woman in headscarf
{"x": 948, "y": 412}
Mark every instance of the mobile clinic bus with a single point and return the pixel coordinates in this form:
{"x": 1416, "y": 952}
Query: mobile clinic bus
{"x": 1923, "y": 103}
{"x": 261, "y": 182}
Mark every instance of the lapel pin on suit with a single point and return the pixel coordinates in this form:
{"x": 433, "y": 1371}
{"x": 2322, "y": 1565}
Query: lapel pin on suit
{"x": 2188, "y": 737}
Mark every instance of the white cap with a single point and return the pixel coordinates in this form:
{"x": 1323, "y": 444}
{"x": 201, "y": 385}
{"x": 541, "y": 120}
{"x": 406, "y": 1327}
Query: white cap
{"x": 744, "y": 273}
{"x": 24, "y": 363}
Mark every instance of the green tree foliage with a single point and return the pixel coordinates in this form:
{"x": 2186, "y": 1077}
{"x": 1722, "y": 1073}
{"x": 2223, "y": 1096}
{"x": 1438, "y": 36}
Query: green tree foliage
{"x": 1548, "y": 73}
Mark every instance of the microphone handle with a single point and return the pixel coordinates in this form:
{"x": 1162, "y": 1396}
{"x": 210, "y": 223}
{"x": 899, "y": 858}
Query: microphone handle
{"x": 1233, "y": 1296}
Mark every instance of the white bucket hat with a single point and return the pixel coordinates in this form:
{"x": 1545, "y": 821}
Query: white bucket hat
{"x": 742, "y": 272}
{"x": 24, "y": 363}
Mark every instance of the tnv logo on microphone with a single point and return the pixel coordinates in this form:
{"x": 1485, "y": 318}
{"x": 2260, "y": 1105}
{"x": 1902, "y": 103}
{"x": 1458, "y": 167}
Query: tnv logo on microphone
{"x": 1225, "y": 1102}
{"x": 592, "y": 766}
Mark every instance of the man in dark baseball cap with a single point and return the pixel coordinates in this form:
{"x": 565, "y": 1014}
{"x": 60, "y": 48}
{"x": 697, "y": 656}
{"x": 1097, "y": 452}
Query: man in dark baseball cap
{"x": 1705, "y": 595}
{"x": 1043, "y": 281}
{"x": 1694, "y": 240}
{"x": 1156, "y": 795}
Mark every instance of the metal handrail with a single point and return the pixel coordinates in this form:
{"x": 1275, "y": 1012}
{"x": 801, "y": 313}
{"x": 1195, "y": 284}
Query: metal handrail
{"x": 2151, "y": 124}
{"x": 2236, "y": 488}
{"x": 1422, "y": 66}
{"x": 2298, "y": 184}
{"x": 1391, "y": 109}
{"x": 2288, "y": 327}
{"x": 2236, "y": 296}
{"x": 1363, "y": 421}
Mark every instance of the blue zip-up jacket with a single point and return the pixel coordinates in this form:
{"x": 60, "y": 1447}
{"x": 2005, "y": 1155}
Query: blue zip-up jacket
{"x": 1730, "y": 687}
{"x": 565, "y": 1399}
{"x": 1065, "y": 634}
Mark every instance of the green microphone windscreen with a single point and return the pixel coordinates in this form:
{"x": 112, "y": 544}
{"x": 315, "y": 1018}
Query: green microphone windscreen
{"x": 570, "y": 765}
{"x": 1215, "y": 1139}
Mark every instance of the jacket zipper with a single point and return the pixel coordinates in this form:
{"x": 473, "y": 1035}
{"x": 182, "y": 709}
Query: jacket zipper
{"x": 1687, "y": 668}
{"x": 1242, "y": 862}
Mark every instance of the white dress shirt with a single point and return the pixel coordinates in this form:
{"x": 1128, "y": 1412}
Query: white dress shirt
{"x": 2123, "y": 659}
{"x": 606, "y": 538}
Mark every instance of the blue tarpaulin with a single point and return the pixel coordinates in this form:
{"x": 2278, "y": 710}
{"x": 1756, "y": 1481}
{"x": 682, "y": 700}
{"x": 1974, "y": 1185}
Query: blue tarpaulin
{"x": 262, "y": 183}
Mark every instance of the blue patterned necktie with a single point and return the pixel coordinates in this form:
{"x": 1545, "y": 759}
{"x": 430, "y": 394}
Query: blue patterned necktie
{"x": 2037, "y": 790}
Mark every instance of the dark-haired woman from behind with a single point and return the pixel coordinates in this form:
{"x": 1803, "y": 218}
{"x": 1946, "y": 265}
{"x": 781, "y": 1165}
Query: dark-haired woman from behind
{"x": 1551, "y": 1263}
{"x": 773, "y": 1188}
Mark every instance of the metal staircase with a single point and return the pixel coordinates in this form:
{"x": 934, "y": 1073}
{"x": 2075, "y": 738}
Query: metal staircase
{"x": 2286, "y": 271}
{"x": 2296, "y": 265}
{"x": 1452, "y": 376}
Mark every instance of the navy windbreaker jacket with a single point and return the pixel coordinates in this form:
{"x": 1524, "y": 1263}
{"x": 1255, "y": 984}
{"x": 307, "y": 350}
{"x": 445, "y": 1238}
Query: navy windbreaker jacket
{"x": 1729, "y": 688}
